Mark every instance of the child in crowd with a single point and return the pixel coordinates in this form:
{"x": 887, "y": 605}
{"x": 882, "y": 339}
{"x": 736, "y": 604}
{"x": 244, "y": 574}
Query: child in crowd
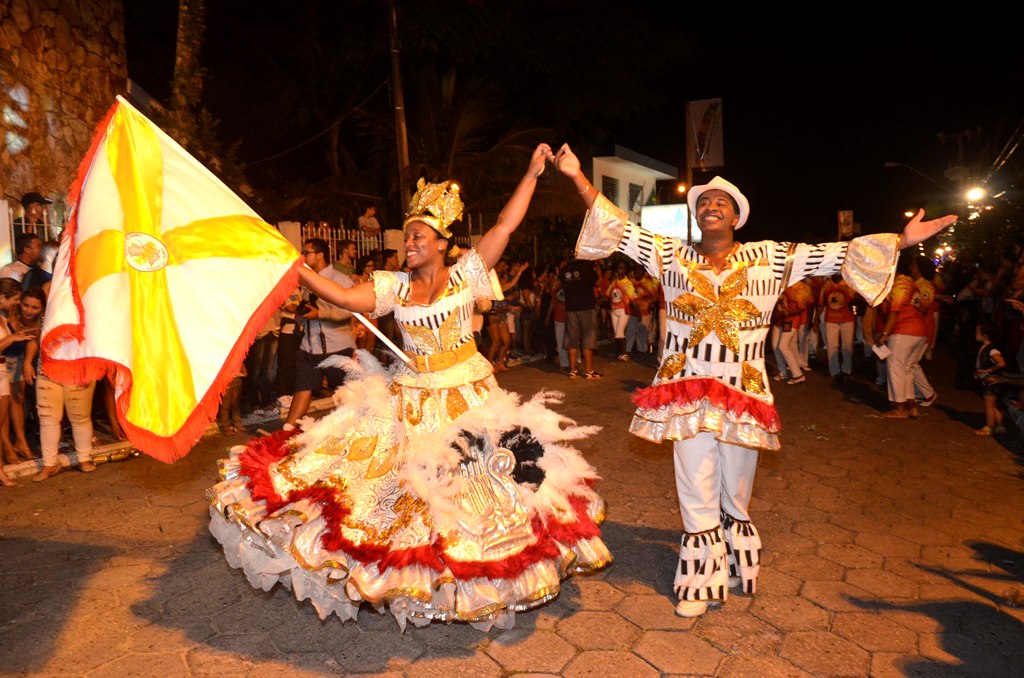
{"x": 989, "y": 362}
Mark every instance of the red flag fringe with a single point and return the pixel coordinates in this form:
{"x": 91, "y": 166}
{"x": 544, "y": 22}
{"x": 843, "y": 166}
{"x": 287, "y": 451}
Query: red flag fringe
{"x": 694, "y": 389}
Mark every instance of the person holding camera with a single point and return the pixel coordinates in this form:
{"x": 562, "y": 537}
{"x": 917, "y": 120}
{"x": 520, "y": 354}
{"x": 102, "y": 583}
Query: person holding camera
{"x": 327, "y": 331}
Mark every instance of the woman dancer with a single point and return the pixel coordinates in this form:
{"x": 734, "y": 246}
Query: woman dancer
{"x": 429, "y": 490}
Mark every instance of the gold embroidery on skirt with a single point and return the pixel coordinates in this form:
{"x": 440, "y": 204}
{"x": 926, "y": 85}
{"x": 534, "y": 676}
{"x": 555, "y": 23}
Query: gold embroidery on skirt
{"x": 752, "y": 379}
{"x": 672, "y": 366}
{"x": 455, "y": 403}
{"x": 362, "y": 448}
{"x": 333, "y": 446}
{"x": 380, "y": 465}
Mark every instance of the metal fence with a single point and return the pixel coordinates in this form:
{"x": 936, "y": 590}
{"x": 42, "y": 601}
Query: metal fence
{"x": 366, "y": 243}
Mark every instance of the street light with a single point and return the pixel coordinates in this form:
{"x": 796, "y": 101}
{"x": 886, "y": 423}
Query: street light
{"x": 975, "y": 194}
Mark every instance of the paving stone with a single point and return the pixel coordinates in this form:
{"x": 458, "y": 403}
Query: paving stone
{"x": 306, "y": 665}
{"x": 956, "y": 649}
{"x": 888, "y": 545}
{"x": 747, "y": 666}
{"x": 874, "y": 632}
{"x": 377, "y": 651}
{"x": 788, "y": 542}
{"x": 809, "y": 567}
{"x": 593, "y": 594}
{"x": 609, "y": 664}
{"x": 164, "y": 664}
{"x": 952, "y": 558}
{"x": 594, "y": 630}
{"x": 915, "y": 571}
{"x": 897, "y": 665}
{"x": 653, "y": 612}
{"x": 849, "y": 555}
{"x": 857, "y": 522}
{"x": 206, "y": 661}
{"x": 825, "y": 653}
{"x": 882, "y": 583}
{"x": 922, "y": 534}
{"x": 776, "y": 582}
{"x": 824, "y": 533}
{"x": 739, "y": 634}
{"x": 789, "y": 613}
{"x": 837, "y": 596}
{"x": 672, "y": 652}
{"x": 444, "y": 667}
{"x": 524, "y": 650}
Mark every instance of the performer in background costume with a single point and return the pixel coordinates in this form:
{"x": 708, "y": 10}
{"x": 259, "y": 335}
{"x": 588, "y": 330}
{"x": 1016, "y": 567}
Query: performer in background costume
{"x": 710, "y": 395}
{"x": 429, "y": 490}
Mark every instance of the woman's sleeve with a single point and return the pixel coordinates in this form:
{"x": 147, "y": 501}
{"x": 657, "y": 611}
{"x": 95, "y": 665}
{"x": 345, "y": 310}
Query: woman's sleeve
{"x": 385, "y": 288}
{"x": 606, "y": 229}
{"x": 483, "y": 284}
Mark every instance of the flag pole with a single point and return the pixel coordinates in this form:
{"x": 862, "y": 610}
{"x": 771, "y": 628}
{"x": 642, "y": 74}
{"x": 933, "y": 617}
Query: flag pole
{"x": 387, "y": 342}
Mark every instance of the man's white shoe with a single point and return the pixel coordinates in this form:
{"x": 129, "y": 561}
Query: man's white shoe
{"x": 691, "y": 608}
{"x": 735, "y": 583}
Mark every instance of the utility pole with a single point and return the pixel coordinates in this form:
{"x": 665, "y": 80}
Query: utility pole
{"x": 401, "y": 137}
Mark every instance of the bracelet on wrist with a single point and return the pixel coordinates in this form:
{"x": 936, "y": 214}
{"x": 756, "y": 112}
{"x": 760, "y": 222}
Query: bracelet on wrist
{"x": 586, "y": 190}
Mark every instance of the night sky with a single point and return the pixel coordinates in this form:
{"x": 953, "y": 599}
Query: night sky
{"x": 813, "y": 108}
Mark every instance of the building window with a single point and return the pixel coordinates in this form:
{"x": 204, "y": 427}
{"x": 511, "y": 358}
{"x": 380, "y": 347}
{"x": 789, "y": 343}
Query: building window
{"x": 635, "y": 191}
{"x": 610, "y": 188}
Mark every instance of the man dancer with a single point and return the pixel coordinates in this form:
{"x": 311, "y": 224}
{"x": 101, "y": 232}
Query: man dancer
{"x": 710, "y": 395}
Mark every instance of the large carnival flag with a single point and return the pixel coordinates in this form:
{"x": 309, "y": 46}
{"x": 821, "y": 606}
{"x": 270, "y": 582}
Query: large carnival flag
{"x": 162, "y": 280}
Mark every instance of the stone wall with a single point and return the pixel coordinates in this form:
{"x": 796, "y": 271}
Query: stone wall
{"x": 61, "y": 64}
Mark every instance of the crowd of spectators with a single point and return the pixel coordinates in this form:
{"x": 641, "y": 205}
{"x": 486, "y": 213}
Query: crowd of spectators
{"x": 561, "y": 312}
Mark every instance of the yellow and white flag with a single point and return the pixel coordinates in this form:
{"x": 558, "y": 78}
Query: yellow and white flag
{"x": 162, "y": 280}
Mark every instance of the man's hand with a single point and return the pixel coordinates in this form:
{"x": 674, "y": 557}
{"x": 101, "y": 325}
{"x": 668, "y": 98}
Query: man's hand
{"x": 566, "y": 162}
{"x": 917, "y": 231}
{"x": 312, "y": 314}
{"x": 29, "y": 374}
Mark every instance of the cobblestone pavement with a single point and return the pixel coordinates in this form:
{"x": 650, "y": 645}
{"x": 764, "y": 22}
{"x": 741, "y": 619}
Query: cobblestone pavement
{"x": 888, "y": 549}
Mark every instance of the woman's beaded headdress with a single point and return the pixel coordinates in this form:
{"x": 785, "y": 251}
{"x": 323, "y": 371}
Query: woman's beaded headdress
{"x": 436, "y": 205}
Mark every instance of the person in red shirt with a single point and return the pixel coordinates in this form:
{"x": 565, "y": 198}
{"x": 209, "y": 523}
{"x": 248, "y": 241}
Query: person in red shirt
{"x": 620, "y": 293}
{"x": 836, "y": 300}
{"x": 905, "y": 334}
{"x": 798, "y": 298}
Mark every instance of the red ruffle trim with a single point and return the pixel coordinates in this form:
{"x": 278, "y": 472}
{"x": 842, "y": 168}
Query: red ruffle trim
{"x": 692, "y": 390}
{"x": 260, "y": 453}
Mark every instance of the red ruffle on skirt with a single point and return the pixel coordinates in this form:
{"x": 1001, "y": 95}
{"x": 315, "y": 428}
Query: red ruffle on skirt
{"x": 260, "y": 453}
{"x": 694, "y": 389}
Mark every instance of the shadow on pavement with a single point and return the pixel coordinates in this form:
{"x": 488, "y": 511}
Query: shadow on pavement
{"x": 984, "y": 640}
{"x": 200, "y": 595}
{"x": 37, "y": 601}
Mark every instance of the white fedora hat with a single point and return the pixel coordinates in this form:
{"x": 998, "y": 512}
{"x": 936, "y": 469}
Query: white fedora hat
{"x": 722, "y": 185}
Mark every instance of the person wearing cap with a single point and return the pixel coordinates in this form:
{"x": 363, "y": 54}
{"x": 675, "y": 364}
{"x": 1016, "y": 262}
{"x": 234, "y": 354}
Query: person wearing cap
{"x": 34, "y": 206}
{"x": 429, "y": 490}
{"x": 710, "y": 395}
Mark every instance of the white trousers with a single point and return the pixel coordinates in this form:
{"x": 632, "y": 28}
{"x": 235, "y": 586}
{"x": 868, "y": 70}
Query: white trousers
{"x": 839, "y": 340}
{"x": 922, "y": 387}
{"x": 906, "y": 349}
{"x": 789, "y": 346}
{"x": 563, "y": 353}
{"x": 619, "y": 322}
{"x": 52, "y": 399}
{"x": 714, "y": 483}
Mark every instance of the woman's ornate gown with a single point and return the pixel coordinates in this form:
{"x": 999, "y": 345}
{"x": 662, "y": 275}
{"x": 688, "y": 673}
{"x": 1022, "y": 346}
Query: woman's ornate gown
{"x": 432, "y": 492}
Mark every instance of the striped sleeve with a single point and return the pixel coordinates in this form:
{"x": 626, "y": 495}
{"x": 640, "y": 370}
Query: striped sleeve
{"x": 795, "y": 261}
